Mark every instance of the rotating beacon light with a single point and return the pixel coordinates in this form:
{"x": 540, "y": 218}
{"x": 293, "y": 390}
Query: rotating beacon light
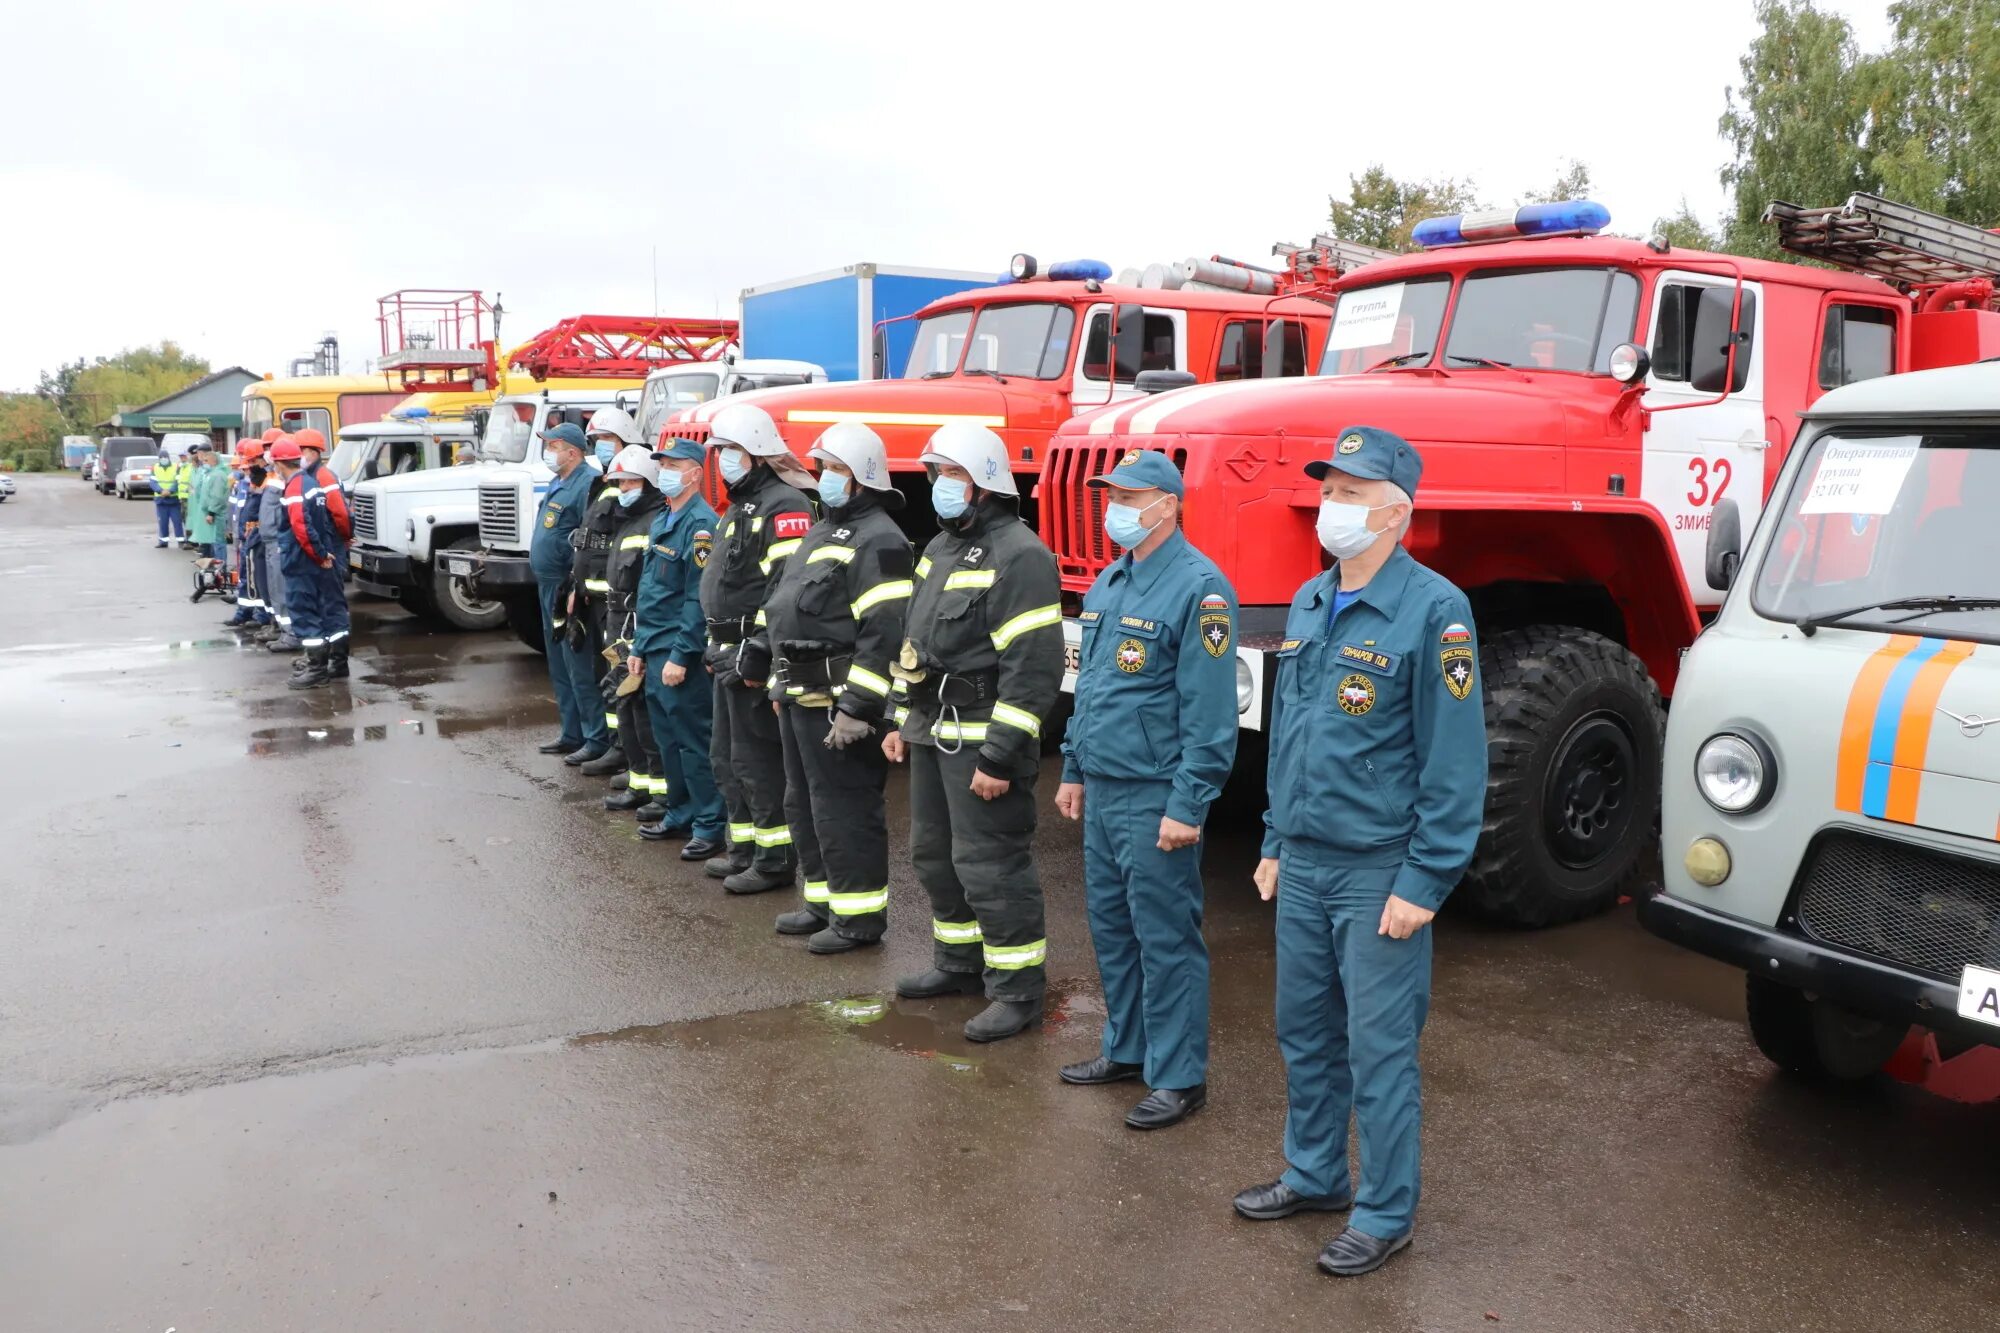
{"x": 1024, "y": 268}
{"x": 1572, "y": 217}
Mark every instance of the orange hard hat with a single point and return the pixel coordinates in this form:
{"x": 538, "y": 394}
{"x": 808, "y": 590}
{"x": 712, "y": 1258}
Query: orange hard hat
{"x": 247, "y": 452}
{"x": 310, "y": 439}
{"x": 285, "y": 449}
{"x": 273, "y": 434}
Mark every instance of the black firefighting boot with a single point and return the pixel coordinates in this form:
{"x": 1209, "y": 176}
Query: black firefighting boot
{"x": 611, "y": 761}
{"x": 832, "y": 941}
{"x": 650, "y": 813}
{"x": 286, "y": 642}
{"x": 754, "y": 880}
{"x": 314, "y": 675}
{"x": 623, "y": 800}
{"x": 801, "y": 922}
{"x": 929, "y": 985}
{"x": 336, "y": 661}
{"x": 1003, "y": 1018}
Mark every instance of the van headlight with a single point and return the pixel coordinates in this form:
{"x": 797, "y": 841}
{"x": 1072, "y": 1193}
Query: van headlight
{"x": 1736, "y": 772}
{"x": 1246, "y": 687}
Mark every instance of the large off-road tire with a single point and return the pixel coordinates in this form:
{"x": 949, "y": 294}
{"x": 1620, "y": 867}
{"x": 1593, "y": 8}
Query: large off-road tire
{"x": 1574, "y": 730}
{"x": 524, "y": 617}
{"x": 1815, "y": 1039}
{"x": 448, "y": 602}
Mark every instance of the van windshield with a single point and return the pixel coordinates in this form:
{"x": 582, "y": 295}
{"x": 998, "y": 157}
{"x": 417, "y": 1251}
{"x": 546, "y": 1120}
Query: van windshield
{"x": 669, "y": 394}
{"x": 1889, "y": 531}
{"x": 348, "y": 455}
{"x": 510, "y": 429}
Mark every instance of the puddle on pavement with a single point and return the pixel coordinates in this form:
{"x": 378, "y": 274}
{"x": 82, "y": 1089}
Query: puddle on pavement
{"x": 289, "y": 740}
{"x": 926, "y": 1029}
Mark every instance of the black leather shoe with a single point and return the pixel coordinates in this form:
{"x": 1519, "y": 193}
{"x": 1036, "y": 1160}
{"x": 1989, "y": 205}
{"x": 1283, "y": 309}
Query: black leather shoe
{"x": 652, "y": 812}
{"x": 722, "y": 866}
{"x": 756, "y": 881}
{"x": 832, "y": 941}
{"x": 662, "y": 831}
{"x": 1267, "y": 1203}
{"x": 929, "y": 985}
{"x": 624, "y": 800}
{"x": 578, "y": 758}
{"x": 607, "y": 762}
{"x": 1352, "y": 1253}
{"x": 1101, "y": 1070}
{"x": 700, "y": 849}
{"x": 1167, "y": 1106}
{"x": 556, "y": 746}
{"x": 1002, "y": 1019}
{"x": 800, "y": 922}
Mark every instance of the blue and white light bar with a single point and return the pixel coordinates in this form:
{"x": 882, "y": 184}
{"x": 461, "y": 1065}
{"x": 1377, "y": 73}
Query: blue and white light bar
{"x": 1570, "y": 217}
{"x": 1066, "y": 270}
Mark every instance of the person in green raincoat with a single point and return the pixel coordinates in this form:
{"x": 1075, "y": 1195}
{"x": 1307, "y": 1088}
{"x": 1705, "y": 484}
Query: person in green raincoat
{"x": 208, "y": 503}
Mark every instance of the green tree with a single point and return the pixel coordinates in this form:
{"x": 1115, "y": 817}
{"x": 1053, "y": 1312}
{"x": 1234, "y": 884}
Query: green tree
{"x": 1381, "y": 211}
{"x": 58, "y": 389}
{"x": 1798, "y": 122}
{"x": 88, "y": 395}
{"x": 1573, "y": 183}
{"x": 31, "y": 432}
{"x": 1935, "y": 100}
{"x": 1684, "y": 231}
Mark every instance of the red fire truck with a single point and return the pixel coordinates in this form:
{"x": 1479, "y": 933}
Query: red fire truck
{"x": 1581, "y": 403}
{"x": 1029, "y": 354}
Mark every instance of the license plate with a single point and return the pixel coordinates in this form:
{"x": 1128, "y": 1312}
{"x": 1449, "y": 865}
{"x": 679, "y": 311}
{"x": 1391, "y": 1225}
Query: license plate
{"x": 354, "y": 559}
{"x": 1979, "y": 995}
{"x": 458, "y": 566}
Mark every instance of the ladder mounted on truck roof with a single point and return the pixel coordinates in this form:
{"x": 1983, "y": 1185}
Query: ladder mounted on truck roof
{"x": 436, "y": 340}
{"x": 621, "y": 346}
{"x": 1898, "y": 243}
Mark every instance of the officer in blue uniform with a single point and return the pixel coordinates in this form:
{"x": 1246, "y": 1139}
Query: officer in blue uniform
{"x": 1377, "y": 789}
{"x": 668, "y": 641}
{"x": 572, "y": 673}
{"x": 1149, "y": 745}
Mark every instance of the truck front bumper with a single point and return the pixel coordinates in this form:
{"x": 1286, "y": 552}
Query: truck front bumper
{"x": 381, "y": 572}
{"x": 490, "y": 574}
{"x": 1867, "y": 986}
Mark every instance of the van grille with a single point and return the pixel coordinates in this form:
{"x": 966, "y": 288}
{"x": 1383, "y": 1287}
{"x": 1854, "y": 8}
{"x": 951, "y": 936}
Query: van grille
{"x": 499, "y": 517}
{"x": 361, "y": 508}
{"x": 1926, "y": 910}
{"x": 1073, "y": 513}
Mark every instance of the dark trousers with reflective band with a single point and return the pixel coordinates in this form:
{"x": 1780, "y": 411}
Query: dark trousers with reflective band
{"x": 680, "y": 718}
{"x": 1145, "y": 910}
{"x": 974, "y": 858}
{"x": 748, "y": 749}
{"x": 591, "y": 658}
{"x": 317, "y": 601}
{"x": 583, "y": 668}
{"x": 1351, "y": 1004}
{"x": 642, "y": 754}
{"x": 833, "y": 801}
{"x": 576, "y": 696}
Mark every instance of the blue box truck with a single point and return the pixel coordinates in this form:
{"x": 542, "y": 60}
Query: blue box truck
{"x": 829, "y": 318}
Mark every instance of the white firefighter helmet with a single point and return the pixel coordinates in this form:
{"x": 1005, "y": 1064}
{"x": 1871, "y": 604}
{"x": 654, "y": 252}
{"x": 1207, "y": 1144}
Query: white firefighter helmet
{"x": 749, "y": 428}
{"x": 859, "y": 449}
{"x": 976, "y": 449}
{"x": 634, "y": 461}
{"x": 614, "y": 421}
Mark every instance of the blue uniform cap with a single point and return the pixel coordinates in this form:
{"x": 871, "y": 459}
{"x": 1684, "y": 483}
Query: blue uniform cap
{"x": 567, "y": 433}
{"x": 1368, "y": 451}
{"x": 1144, "y": 470}
{"x": 675, "y": 447}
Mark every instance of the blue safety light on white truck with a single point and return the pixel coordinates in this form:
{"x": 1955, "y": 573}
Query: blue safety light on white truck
{"x": 1569, "y": 218}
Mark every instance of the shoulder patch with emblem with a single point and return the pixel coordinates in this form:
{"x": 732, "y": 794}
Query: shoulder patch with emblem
{"x": 1214, "y": 626}
{"x": 1455, "y": 633}
{"x": 699, "y": 546}
{"x": 1131, "y": 656}
{"x": 1356, "y": 694}
{"x": 1459, "y": 675}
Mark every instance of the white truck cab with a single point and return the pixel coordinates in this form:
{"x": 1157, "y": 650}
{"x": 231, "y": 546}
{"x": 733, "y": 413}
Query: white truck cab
{"x": 404, "y": 525}
{"x": 510, "y": 495}
{"x": 396, "y": 446}
{"x": 1831, "y": 812}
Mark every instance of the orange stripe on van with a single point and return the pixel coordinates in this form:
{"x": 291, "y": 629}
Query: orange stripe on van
{"x": 1855, "y": 728}
{"x": 1913, "y": 733}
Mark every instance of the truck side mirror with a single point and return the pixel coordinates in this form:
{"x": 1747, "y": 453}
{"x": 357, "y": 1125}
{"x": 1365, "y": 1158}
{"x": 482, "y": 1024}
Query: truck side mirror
{"x": 1160, "y": 381}
{"x": 1708, "y": 368}
{"x": 878, "y": 353}
{"x": 1129, "y": 341}
{"x": 1274, "y": 349}
{"x": 1725, "y": 545}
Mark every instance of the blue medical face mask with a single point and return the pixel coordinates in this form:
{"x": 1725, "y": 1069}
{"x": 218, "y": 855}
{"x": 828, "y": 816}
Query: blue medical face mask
{"x": 950, "y": 496}
{"x": 833, "y": 489}
{"x": 735, "y": 467}
{"x": 628, "y": 498}
{"x": 1121, "y": 524}
{"x": 606, "y": 451}
{"x": 672, "y": 481}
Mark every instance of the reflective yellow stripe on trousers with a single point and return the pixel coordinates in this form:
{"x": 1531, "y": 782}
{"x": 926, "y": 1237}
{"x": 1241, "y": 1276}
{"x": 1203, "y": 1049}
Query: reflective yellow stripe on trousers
{"x": 1015, "y": 957}
{"x": 956, "y": 932}
{"x": 858, "y": 904}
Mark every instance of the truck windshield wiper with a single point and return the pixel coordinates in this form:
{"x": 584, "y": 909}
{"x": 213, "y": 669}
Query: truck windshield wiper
{"x": 1918, "y": 607}
{"x": 1402, "y": 360}
{"x": 982, "y": 370}
{"x": 934, "y": 374}
{"x": 1479, "y": 360}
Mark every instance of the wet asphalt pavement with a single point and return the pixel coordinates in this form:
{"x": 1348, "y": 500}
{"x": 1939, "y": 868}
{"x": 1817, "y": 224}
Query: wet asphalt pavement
{"x": 346, "y": 1010}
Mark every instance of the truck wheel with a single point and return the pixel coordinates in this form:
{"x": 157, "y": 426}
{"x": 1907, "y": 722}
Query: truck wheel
{"x": 1815, "y": 1039}
{"x": 524, "y": 617}
{"x": 1573, "y": 729}
{"x": 452, "y": 605}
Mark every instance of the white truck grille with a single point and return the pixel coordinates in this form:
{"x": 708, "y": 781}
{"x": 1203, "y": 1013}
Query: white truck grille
{"x": 361, "y": 507}
{"x": 499, "y": 518}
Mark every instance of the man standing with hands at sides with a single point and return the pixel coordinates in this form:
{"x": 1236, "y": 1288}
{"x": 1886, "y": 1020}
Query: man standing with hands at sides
{"x": 551, "y": 557}
{"x": 667, "y": 650}
{"x": 981, "y": 668}
{"x": 1378, "y": 788}
{"x": 1149, "y": 745}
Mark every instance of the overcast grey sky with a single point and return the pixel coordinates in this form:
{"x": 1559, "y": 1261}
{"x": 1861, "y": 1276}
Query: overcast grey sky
{"x": 243, "y": 177}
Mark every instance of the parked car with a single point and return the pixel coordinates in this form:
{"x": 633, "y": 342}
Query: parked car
{"x": 116, "y": 452}
{"x": 135, "y": 478}
{"x": 6, "y": 485}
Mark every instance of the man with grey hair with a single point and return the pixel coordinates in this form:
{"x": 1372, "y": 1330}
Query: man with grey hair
{"x": 1377, "y": 787}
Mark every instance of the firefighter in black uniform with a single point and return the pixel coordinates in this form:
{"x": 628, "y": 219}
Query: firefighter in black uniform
{"x": 588, "y": 612}
{"x": 977, "y": 675}
{"x": 836, "y": 623}
{"x": 636, "y": 475}
{"x": 767, "y": 518}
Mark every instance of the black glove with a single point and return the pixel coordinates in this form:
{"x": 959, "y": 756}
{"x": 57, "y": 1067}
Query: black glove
{"x": 753, "y": 664}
